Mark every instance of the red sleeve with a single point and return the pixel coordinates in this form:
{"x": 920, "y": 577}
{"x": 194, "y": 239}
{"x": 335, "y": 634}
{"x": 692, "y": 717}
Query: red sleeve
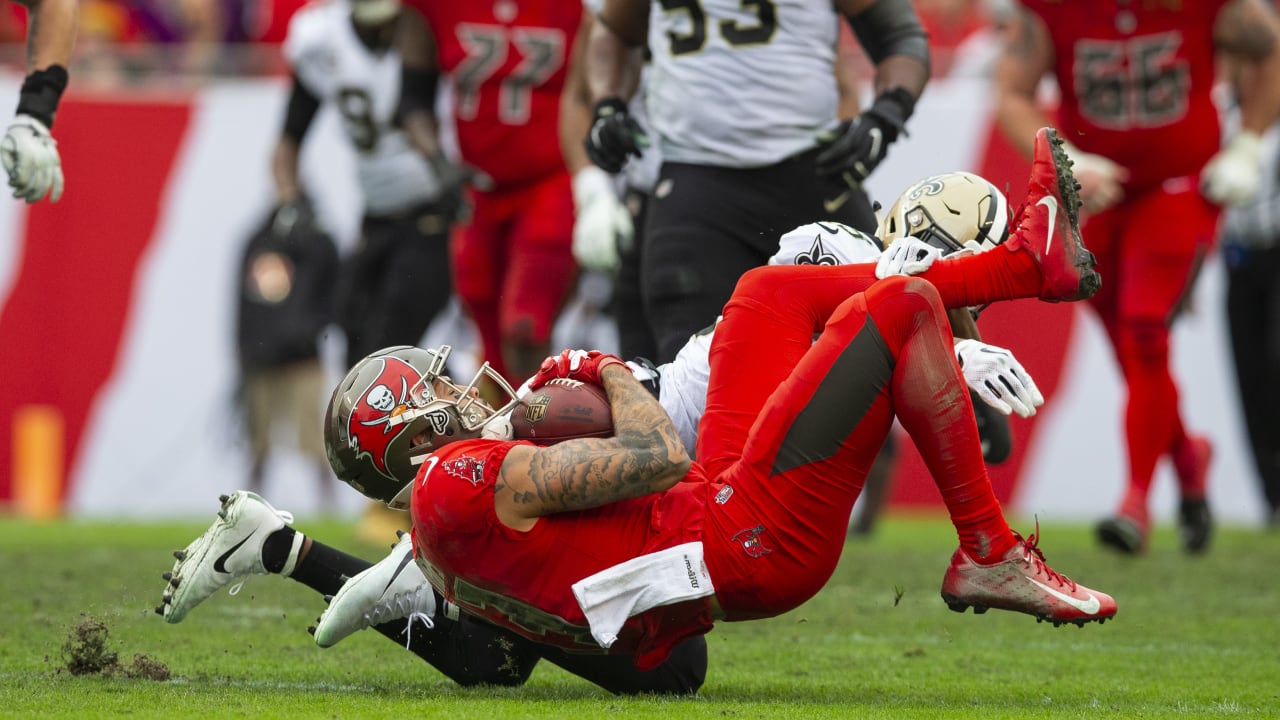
{"x": 456, "y": 484}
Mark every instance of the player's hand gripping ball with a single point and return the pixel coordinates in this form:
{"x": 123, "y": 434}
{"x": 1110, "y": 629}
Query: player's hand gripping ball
{"x": 562, "y": 409}
{"x": 582, "y": 365}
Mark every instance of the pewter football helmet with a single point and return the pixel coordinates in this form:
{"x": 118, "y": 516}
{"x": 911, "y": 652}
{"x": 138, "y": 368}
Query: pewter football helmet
{"x": 388, "y": 399}
{"x": 951, "y": 212}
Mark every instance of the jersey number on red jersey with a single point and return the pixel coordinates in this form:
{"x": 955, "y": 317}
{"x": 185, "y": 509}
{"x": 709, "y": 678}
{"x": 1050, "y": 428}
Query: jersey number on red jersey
{"x": 541, "y": 53}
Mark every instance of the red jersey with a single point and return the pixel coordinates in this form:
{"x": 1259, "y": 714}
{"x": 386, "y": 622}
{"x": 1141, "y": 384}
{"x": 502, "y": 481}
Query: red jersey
{"x": 523, "y": 580}
{"x": 507, "y": 61}
{"x": 1136, "y": 81}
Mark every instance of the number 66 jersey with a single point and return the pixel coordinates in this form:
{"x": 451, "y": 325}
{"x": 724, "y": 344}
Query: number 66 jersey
{"x": 330, "y": 61}
{"x": 1136, "y": 81}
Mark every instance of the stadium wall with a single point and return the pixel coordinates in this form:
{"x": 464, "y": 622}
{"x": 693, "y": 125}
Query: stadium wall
{"x": 117, "y": 355}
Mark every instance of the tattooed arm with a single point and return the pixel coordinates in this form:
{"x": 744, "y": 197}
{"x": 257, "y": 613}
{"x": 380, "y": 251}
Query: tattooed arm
{"x": 644, "y": 456}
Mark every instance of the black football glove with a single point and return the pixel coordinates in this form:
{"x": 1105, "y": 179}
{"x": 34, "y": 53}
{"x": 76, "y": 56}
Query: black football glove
{"x": 853, "y": 149}
{"x": 614, "y": 136}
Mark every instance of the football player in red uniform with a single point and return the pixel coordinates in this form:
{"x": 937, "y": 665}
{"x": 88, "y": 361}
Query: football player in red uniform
{"x": 1135, "y": 81}
{"x": 626, "y": 544}
{"x": 512, "y": 263}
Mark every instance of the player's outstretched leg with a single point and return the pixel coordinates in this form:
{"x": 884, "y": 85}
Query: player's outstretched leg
{"x": 1047, "y": 225}
{"x": 230, "y": 549}
{"x": 392, "y": 589}
{"x": 1023, "y": 582}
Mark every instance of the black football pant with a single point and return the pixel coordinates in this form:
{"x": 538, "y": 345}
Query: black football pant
{"x": 470, "y": 651}
{"x": 706, "y": 226}
{"x": 1253, "y": 316}
{"x": 395, "y": 282}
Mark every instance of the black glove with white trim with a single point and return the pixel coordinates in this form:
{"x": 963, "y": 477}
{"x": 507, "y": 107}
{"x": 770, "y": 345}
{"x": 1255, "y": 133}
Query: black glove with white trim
{"x": 614, "y": 136}
{"x": 853, "y": 149}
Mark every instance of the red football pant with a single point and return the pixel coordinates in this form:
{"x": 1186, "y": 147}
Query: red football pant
{"x": 1148, "y": 249}
{"x": 794, "y": 460}
{"x": 513, "y": 269}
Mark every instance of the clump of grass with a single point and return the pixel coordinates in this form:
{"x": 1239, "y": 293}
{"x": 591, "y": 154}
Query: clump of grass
{"x": 86, "y": 652}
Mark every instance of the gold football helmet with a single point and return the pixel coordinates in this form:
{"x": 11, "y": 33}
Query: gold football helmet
{"x": 951, "y": 212}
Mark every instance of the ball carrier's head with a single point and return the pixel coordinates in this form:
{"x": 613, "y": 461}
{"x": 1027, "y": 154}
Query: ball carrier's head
{"x": 392, "y": 409}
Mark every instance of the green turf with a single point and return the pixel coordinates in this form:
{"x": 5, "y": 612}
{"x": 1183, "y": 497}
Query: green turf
{"x": 1195, "y": 638}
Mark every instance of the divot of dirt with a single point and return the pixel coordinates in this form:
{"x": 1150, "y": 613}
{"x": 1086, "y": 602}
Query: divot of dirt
{"x": 86, "y": 652}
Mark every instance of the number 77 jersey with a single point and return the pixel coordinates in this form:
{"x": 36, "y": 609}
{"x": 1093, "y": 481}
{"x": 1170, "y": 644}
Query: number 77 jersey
{"x": 507, "y": 61}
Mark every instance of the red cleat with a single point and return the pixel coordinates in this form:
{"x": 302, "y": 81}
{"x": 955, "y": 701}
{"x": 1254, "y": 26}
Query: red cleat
{"x": 1022, "y": 582}
{"x": 1047, "y": 225}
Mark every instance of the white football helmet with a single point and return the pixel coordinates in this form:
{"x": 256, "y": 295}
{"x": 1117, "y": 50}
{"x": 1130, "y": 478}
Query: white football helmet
{"x": 951, "y": 212}
{"x": 825, "y": 243}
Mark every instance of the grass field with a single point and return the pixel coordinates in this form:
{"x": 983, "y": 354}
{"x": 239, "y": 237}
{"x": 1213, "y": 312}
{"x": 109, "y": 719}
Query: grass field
{"x": 1206, "y": 644}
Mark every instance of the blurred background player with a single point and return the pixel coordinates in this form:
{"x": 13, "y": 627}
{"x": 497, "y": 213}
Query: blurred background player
{"x": 398, "y": 279}
{"x": 27, "y": 150}
{"x": 1251, "y": 248}
{"x": 506, "y": 61}
{"x": 733, "y": 180}
{"x": 287, "y": 275}
{"x": 1135, "y": 81}
{"x": 608, "y": 231}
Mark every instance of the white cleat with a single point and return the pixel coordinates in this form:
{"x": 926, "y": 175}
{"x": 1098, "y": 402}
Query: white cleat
{"x": 393, "y": 589}
{"x": 230, "y": 549}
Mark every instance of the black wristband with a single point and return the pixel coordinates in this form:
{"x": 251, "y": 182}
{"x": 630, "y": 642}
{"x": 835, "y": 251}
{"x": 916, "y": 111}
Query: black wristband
{"x": 40, "y": 94}
{"x": 901, "y": 98}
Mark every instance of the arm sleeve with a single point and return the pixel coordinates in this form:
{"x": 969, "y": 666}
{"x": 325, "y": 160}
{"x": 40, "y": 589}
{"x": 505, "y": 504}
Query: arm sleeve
{"x": 301, "y": 110}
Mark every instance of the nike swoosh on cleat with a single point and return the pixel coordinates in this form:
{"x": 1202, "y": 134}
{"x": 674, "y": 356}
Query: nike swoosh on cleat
{"x": 220, "y": 564}
{"x": 404, "y": 562}
{"x": 834, "y": 203}
{"x": 1051, "y": 203}
{"x": 1088, "y": 607}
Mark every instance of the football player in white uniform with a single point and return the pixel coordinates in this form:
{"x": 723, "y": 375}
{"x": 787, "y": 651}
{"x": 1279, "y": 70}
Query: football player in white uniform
{"x": 397, "y": 280}
{"x": 742, "y": 100}
{"x": 27, "y": 151}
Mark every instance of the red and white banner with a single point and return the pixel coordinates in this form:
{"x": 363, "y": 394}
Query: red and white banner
{"x": 117, "y": 354}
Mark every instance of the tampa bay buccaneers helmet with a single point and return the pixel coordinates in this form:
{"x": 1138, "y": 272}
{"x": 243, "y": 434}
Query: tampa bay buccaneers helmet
{"x": 388, "y": 399}
{"x": 952, "y": 211}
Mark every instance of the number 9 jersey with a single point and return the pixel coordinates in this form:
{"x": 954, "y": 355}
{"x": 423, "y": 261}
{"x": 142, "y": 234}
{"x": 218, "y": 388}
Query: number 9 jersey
{"x": 333, "y": 65}
{"x": 1135, "y": 82}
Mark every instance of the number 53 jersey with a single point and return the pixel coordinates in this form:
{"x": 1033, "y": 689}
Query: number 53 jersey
{"x": 507, "y": 61}
{"x": 333, "y": 65}
{"x": 1136, "y": 82}
{"x": 741, "y": 83}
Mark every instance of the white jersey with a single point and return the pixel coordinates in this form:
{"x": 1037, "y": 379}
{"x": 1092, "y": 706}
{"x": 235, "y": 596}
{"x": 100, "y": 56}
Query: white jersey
{"x": 741, "y": 84}
{"x": 333, "y": 65}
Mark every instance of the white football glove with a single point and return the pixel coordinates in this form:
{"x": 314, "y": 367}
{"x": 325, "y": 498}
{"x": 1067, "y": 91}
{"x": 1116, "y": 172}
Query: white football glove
{"x": 601, "y": 221}
{"x": 1233, "y": 175}
{"x": 906, "y": 255}
{"x": 30, "y": 156}
{"x": 1099, "y": 179}
{"x": 998, "y": 378}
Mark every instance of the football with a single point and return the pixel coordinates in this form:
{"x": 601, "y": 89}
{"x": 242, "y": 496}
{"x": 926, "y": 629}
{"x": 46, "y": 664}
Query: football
{"x": 562, "y": 410}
